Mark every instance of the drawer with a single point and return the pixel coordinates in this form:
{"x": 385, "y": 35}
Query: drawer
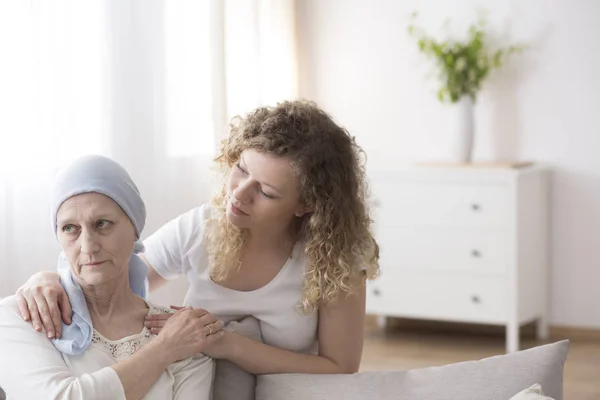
{"x": 481, "y": 253}
{"x": 444, "y": 297}
{"x": 437, "y": 204}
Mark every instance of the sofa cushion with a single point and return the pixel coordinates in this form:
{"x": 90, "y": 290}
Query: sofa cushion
{"x": 231, "y": 382}
{"x": 499, "y": 377}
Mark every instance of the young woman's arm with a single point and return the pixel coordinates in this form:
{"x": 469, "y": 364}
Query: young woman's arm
{"x": 43, "y": 301}
{"x": 341, "y": 335}
{"x": 154, "y": 279}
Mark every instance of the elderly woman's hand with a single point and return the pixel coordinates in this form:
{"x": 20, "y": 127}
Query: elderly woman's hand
{"x": 43, "y": 301}
{"x": 188, "y": 332}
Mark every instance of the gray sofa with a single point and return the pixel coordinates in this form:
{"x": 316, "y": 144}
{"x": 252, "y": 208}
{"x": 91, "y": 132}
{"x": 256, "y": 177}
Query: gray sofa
{"x": 495, "y": 378}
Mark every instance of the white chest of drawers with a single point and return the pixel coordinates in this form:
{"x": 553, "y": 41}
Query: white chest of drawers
{"x": 462, "y": 245}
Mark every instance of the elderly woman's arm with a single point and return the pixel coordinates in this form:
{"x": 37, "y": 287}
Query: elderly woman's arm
{"x": 31, "y": 368}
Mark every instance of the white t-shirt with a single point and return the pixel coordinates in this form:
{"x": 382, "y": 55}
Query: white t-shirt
{"x": 177, "y": 248}
{"x": 32, "y": 368}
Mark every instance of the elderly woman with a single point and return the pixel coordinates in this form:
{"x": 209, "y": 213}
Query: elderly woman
{"x": 106, "y": 352}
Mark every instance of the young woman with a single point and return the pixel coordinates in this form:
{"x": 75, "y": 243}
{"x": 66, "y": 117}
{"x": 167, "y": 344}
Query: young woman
{"x": 288, "y": 240}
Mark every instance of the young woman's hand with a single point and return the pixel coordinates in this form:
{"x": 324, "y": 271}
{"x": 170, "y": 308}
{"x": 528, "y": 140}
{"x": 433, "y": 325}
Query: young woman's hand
{"x": 189, "y": 332}
{"x": 43, "y": 301}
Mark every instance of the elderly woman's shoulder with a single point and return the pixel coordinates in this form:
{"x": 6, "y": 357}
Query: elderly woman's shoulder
{"x": 9, "y": 308}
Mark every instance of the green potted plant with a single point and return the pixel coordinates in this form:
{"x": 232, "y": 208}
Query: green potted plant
{"x": 462, "y": 66}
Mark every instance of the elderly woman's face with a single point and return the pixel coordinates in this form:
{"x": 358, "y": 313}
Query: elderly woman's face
{"x": 97, "y": 237}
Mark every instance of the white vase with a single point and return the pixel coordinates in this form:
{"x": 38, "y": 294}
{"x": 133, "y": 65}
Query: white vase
{"x": 462, "y": 130}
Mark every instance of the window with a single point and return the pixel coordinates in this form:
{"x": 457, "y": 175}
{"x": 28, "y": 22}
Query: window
{"x": 189, "y": 95}
{"x": 51, "y": 77}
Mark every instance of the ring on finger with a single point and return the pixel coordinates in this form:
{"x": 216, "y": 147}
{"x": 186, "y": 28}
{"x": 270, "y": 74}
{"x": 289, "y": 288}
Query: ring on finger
{"x": 209, "y": 330}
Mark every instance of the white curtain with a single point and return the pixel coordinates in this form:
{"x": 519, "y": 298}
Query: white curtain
{"x": 260, "y": 52}
{"x": 51, "y": 89}
{"x": 151, "y": 83}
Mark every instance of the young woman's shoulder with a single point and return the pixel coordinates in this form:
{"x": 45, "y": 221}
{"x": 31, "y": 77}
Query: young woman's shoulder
{"x": 174, "y": 247}
{"x": 190, "y": 224}
{"x": 197, "y": 215}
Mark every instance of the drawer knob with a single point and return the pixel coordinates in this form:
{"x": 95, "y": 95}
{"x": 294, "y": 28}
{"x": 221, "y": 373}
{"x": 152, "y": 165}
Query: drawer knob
{"x": 475, "y": 207}
{"x": 475, "y": 299}
{"x": 476, "y": 253}
{"x": 376, "y": 292}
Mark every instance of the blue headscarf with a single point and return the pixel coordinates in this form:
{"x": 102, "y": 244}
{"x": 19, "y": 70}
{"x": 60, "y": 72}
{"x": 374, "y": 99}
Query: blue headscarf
{"x": 99, "y": 175}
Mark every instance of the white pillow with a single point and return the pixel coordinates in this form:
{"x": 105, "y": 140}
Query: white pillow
{"x": 532, "y": 393}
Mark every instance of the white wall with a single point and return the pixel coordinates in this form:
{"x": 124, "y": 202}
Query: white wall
{"x": 360, "y": 65}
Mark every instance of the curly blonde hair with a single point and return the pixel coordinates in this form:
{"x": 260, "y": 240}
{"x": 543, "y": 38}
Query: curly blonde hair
{"x": 330, "y": 169}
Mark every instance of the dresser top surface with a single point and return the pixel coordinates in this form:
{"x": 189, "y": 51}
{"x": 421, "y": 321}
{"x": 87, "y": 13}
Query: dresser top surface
{"x": 480, "y": 173}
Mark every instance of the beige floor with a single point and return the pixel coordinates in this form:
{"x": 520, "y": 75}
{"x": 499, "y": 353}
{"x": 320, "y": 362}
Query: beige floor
{"x": 398, "y": 348}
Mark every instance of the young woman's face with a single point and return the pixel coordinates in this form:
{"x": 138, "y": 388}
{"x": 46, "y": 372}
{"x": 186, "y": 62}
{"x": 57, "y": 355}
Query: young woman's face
{"x": 96, "y": 236}
{"x": 263, "y": 192}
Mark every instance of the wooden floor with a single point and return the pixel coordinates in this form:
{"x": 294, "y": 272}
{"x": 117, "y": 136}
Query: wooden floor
{"x": 397, "y": 349}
